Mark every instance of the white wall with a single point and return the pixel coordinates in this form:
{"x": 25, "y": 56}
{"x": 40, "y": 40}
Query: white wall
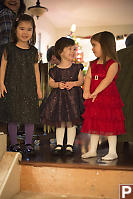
{"x": 86, "y": 48}
{"x": 45, "y": 29}
{"x": 48, "y": 35}
{"x": 86, "y": 31}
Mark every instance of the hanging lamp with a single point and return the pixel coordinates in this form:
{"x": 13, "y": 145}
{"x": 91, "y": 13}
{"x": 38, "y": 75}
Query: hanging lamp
{"x": 37, "y": 10}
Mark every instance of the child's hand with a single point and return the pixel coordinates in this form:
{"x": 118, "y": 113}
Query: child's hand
{"x": 2, "y": 90}
{"x": 39, "y": 93}
{"x": 69, "y": 85}
{"x": 62, "y": 85}
{"x": 93, "y": 96}
{"x": 86, "y": 95}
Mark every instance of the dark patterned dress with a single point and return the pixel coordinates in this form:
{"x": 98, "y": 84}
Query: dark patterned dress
{"x": 64, "y": 107}
{"x": 104, "y": 116}
{"x": 20, "y": 104}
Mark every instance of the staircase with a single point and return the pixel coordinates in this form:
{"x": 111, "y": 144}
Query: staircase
{"x": 73, "y": 182}
{"x": 26, "y": 195}
{"x": 9, "y": 170}
{"x": 44, "y": 180}
{"x": 3, "y": 144}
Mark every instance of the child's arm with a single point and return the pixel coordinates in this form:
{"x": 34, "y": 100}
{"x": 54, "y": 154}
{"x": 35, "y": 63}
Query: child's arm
{"x": 112, "y": 71}
{"x": 54, "y": 84}
{"x": 69, "y": 85}
{"x": 80, "y": 79}
{"x": 87, "y": 84}
{"x": 2, "y": 76}
{"x": 37, "y": 74}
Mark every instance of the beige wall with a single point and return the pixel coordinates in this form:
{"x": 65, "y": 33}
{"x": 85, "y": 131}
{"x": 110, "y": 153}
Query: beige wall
{"x": 49, "y": 32}
{"x": 48, "y": 35}
{"x": 85, "y": 31}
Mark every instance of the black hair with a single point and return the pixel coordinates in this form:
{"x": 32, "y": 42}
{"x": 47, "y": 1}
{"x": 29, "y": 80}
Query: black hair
{"x": 21, "y": 9}
{"x": 108, "y": 44}
{"x": 22, "y": 18}
{"x": 129, "y": 40}
{"x": 61, "y": 44}
{"x": 50, "y": 53}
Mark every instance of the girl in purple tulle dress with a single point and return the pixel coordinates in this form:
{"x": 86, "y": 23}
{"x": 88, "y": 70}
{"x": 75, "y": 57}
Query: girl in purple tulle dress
{"x": 64, "y": 105}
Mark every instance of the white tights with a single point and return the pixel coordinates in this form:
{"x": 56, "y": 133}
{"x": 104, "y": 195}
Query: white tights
{"x": 71, "y": 133}
{"x": 112, "y": 154}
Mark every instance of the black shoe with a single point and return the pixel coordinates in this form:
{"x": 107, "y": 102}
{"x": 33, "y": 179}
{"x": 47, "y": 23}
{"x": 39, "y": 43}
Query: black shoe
{"x": 15, "y": 148}
{"x": 58, "y": 151}
{"x": 28, "y": 149}
{"x": 67, "y": 151}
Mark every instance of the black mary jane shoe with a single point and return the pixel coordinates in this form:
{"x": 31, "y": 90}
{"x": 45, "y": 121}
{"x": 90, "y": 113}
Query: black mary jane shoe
{"x": 58, "y": 151}
{"x": 15, "y": 148}
{"x": 28, "y": 149}
{"x": 67, "y": 151}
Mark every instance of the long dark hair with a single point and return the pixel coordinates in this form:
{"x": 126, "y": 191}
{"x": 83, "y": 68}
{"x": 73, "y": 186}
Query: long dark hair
{"x": 22, "y": 18}
{"x": 21, "y": 9}
{"x": 61, "y": 44}
{"x": 108, "y": 45}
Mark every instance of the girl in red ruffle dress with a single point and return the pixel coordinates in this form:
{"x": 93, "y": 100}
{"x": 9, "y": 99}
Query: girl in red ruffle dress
{"x": 103, "y": 106}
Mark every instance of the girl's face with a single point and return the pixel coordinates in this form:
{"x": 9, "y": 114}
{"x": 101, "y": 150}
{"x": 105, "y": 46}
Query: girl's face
{"x": 96, "y": 48}
{"x": 24, "y": 31}
{"x": 14, "y": 5}
{"x": 68, "y": 53}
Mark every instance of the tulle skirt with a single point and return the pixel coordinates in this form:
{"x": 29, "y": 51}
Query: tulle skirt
{"x": 104, "y": 116}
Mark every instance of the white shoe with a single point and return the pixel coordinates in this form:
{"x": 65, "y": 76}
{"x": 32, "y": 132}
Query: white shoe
{"x": 88, "y": 155}
{"x": 110, "y": 156}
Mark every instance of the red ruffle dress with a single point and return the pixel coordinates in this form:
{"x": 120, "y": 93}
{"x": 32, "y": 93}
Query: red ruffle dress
{"x": 104, "y": 116}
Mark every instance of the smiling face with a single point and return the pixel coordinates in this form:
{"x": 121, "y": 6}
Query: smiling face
{"x": 14, "y": 5}
{"x": 24, "y": 31}
{"x": 96, "y": 48}
{"x": 68, "y": 53}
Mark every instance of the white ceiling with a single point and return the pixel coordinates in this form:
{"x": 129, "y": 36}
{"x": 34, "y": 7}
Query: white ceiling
{"x": 85, "y": 13}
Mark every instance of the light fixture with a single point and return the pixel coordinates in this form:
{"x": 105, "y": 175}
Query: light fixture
{"x": 37, "y": 10}
{"x": 73, "y": 28}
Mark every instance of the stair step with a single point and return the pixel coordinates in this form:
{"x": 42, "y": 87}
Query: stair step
{"x": 9, "y": 175}
{"x": 28, "y": 195}
{"x": 3, "y": 144}
{"x": 95, "y": 183}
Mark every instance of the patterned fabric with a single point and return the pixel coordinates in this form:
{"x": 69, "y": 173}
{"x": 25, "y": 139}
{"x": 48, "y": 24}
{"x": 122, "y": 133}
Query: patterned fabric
{"x": 104, "y": 116}
{"x": 20, "y": 104}
{"x": 63, "y": 107}
{"x": 6, "y": 19}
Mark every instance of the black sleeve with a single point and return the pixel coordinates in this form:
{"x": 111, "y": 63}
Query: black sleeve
{"x": 80, "y": 67}
{"x": 36, "y": 56}
{"x": 52, "y": 73}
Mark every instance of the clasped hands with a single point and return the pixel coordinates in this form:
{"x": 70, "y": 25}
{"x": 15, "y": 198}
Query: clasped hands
{"x": 87, "y": 95}
{"x": 67, "y": 85}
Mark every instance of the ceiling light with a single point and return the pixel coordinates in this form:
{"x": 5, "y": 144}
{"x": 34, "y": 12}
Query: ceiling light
{"x": 37, "y": 10}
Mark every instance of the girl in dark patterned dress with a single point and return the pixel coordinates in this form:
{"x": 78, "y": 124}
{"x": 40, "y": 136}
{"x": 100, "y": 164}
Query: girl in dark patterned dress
{"x": 20, "y": 82}
{"x": 64, "y": 105}
{"x": 103, "y": 106}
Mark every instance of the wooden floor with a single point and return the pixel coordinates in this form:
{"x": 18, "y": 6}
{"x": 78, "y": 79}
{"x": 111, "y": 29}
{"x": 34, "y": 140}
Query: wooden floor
{"x": 44, "y": 143}
{"x": 43, "y": 155}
